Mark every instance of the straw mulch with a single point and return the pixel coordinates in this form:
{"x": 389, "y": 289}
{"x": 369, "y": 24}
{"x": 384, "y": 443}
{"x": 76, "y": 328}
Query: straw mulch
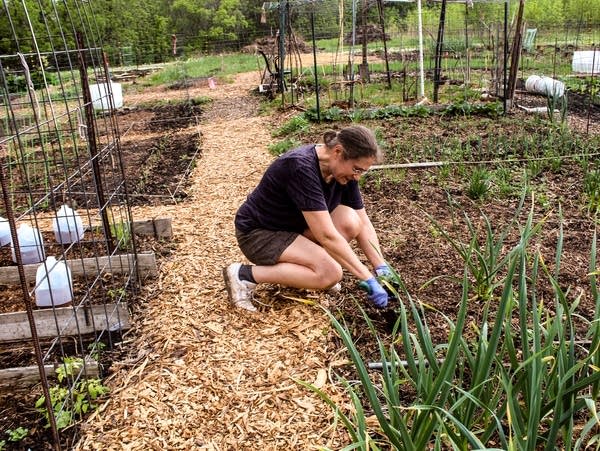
{"x": 202, "y": 375}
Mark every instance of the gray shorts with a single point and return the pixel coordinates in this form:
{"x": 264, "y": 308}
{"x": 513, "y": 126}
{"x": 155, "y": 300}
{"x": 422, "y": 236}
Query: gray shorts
{"x": 264, "y": 247}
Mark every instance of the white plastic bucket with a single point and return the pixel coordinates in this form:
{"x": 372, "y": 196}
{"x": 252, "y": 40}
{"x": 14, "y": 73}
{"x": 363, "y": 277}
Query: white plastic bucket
{"x": 584, "y": 61}
{"x": 5, "y": 237}
{"x": 67, "y": 225}
{"x": 31, "y": 245}
{"x": 545, "y": 85}
{"x": 53, "y": 284}
{"x": 101, "y": 96}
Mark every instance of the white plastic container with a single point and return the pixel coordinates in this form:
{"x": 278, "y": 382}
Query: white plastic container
{"x": 545, "y": 85}
{"x": 5, "y": 237}
{"x": 67, "y": 225}
{"x": 53, "y": 283}
{"x": 101, "y": 96}
{"x": 31, "y": 245}
{"x": 586, "y": 62}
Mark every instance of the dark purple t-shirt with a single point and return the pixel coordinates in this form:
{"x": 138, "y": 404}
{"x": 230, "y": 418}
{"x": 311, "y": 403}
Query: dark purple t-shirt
{"x": 293, "y": 184}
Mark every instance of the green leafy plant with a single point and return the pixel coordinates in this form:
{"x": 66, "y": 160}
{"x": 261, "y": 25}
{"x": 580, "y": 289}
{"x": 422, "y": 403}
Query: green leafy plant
{"x": 18, "y": 434}
{"x": 121, "y": 232}
{"x": 73, "y": 397}
{"x": 116, "y": 293}
{"x": 96, "y": 349}
{"x": 283, "y": 146}
{"x": 296, "y": 124}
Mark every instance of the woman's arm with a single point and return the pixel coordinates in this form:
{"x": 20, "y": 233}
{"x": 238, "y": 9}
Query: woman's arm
{"x": 368, "y": 241}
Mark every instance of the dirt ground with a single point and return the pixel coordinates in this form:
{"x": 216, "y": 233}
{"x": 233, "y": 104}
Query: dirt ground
{"x": 197, "y": 374}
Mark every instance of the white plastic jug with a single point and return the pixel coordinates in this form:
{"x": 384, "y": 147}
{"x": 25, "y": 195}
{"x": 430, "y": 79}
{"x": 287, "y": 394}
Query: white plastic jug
{"x": 586, "y": 61}
{"x": 101, "y": 96}
{"x": 545, "y": 85}
{"x": 31, "y": 245}
{"x": 67, "y": 225}
{"x": 5, "y": 237}
{"x": 53, "y": 285}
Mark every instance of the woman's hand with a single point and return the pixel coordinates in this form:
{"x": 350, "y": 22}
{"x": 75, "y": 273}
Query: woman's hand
{"x": 376, "y": 294}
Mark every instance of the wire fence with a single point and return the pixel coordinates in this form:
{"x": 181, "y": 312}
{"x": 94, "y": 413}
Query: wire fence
{"x": 68, "y": 259}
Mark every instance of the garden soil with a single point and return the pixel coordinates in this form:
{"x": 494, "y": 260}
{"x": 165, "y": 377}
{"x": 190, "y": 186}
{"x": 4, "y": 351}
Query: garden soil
{"x": 200, "y": 374}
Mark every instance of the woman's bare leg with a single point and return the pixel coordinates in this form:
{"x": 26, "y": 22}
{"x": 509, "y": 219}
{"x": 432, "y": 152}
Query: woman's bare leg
{"x": 304, "y": 264}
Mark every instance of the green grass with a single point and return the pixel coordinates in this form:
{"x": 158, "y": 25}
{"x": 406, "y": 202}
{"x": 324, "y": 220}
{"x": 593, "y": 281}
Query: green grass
{"x": 219, "y": 66}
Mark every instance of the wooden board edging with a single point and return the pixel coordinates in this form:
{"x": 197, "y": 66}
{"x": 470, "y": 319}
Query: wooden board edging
{"x": 64, "y": 321}
{"x": 26, "y": 376}
{"x": 115, "y": 264}
{"x": 157, "y": 227}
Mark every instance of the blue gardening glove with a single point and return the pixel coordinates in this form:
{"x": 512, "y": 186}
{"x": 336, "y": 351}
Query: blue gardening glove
{"x": 376, "y": 294}
{"x": 388, "y": 280}
{"x": 384, "y": 271}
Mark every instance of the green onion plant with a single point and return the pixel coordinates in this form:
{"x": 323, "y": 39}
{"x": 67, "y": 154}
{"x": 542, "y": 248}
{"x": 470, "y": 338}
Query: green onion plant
{"x": 524, "y": 381}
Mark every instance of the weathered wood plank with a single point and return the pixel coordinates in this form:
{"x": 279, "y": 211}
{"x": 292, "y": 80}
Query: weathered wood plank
{"x": 116, "y": 264}
{"x": 26, "y": 376}
{"x": 64, "y": 321}
{"x": 158, "y": 228}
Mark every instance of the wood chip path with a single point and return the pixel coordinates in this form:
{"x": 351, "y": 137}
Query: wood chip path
{"x": 202, "y": 375}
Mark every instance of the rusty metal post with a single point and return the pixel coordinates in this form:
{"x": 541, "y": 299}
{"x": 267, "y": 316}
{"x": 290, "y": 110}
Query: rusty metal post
{"x": 10, "y": 216}
{"x": 91, "y": 139}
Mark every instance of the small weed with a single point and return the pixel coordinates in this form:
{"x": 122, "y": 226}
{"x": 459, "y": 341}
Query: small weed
{"x": 395, "y": 176}
{"x": 375, "y": 177}
{"x": 70, "y": 404}
{"x": 534, "y": 169}
{"x": 415, "y": 185}
{"x": 444, "y": 174}
{"x": 503, "y": 179}
{"x": 295, "y": 125}
{"x": 540, "y": 193}
{"x": 116, "y": 293}
{"x": 95, "y": 349}
{"x": 591, "y": 188}
{"x": 18, "y": 434}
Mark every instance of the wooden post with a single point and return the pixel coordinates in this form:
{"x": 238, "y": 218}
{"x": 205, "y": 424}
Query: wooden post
{"x": 364, "y": 67}
{"x": 385, "y": 50}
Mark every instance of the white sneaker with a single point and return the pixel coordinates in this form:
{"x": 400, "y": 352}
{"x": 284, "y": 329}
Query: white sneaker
{"x": 239, "y": 291}
{"x": 335, "y": 289}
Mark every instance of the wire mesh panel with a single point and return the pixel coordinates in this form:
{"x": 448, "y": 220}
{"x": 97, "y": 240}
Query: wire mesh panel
{"x": 68, "y": 257}
{"x": 415, "y": 49}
